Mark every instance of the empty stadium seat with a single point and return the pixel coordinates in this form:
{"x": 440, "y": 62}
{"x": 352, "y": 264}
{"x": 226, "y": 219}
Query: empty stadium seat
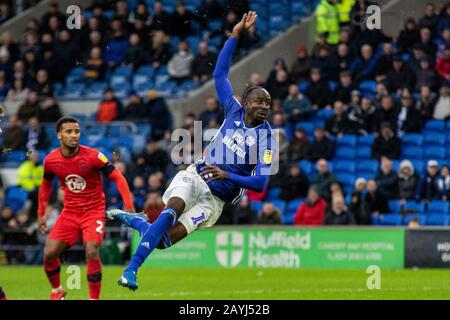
{"x": 364, "y": 153}
{"x": 344, "y": 166}
{"x": 273, "y": 194}
{"x": 345, "y": 153}
{"x": 412, "y": 153}
{"x": 395, "y": 206}
{"x": 438, "y": 206}
{"x": 347, "y": 180}
{"x": 366, "y": 140}
{"x": 414, "y": 207}
{"x": 293, "y": 205}
{"x": 437, "y": 153}
{"x": 390, "y": 219}
{"x": 434, "y": 126}
{"x": 367, "y": 165}
{"x": 434, "y": 139}
{"x": 305, "y": 166}
{"x": 256, "y": 205}
{"x": 347, "y": 140}
{"x": 412, "y": 139}
{"x": 438, "y": 220}
{"x": 15, "y": 197}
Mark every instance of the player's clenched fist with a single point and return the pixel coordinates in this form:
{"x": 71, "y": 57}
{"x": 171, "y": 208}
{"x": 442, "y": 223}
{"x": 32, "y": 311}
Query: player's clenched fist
{"x": 42, "y": 223}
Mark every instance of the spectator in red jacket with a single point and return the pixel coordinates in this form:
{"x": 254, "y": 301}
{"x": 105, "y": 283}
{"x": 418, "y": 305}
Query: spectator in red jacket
{"x": 443, "y": 64}
{"x": 109, "y": 108}
{"x": 312, "y": 211}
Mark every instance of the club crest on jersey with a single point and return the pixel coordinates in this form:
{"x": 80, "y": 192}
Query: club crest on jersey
{"x": 75, "y": 183}
{"x": 249, "y": 140}
{"x": 267, "y": 158}
{"x": 102, "y": 157}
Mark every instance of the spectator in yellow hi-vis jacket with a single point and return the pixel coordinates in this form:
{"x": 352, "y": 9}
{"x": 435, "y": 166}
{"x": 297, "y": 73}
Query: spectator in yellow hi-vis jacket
{"x": 327, "y": 20}
{"x": 344, "y": 7}
{"x": 30, "y": 172}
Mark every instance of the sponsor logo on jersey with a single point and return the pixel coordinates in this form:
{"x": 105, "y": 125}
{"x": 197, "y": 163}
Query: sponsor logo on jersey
{"x": 102, "y": 157}
{"x": 186, "y": 179}
{"x": 249, "y": 140}
{"x": 75, "y": 183}
{"x": 267, "y": 158}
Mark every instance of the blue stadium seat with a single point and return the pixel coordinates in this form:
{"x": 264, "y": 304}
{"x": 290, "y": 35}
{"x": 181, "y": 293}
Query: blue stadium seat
{"x": 280, "y": 204}
{"x": 140, "y": 79}
{"x": 256, "y": 205}
{"x": 412, "y": 153}
{"x": 146, "y": 70}
{"x": 293, "y": 205}
{"x": 434, "y": 139}
{"x": 364, "y": 153}
{"x": 347, "y": 140}
{"x": 96, "y": 90}
{"x": 366, "y": 140}
{"x": 412, "y": 139}
{"x": 344, "y": 166}
{"x": 418, "y": 165}
{"x": 273, "y": 194}
{"x": 390, "y": 219}
{"x": 345, "y": 153}
{"x": 395, "y": 206}
{"x": 438, "y": 220}
{"x": 325, "y": 113}
{"x": 438, "y": 206}
{"x": 436, "y": 153}
{"x": 434, "y": 126}
{"x": 15, "y": 197}
{"x": 368, "y": 86}
{"x": 305, "y": 166}
{"x": 348, "y": 180}
{"x": 414, "y": 207}
{"x": 288, "y": 218}
{"x": 74, "y": 90}
{"x": 123, "y": 71}
{"x": 303, "y": 85}
{"x": 118, "y": 80}
{"x": 307, "y": 126}
{"x": 368, "y": 165}
{"x": 75, "y": 75}
{"x": 13, "y": 156}
{"x": 420, "y": 217}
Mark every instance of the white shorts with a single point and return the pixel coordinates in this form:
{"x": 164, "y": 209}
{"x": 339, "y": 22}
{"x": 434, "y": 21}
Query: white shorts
{"x": 202, "y": 207}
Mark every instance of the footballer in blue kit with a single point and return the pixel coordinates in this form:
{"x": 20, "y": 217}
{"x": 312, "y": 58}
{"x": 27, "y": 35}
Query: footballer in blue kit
{"x": 239, "y": 157}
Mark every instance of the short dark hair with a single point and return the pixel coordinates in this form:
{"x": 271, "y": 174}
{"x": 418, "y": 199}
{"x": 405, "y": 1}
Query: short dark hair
{"x": 253, "y": 88}
{"x": 63, "y": 120}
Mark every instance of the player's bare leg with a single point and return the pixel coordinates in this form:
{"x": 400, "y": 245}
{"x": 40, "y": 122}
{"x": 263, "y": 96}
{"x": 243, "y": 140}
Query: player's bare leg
{"x": 52, "y": 266}
{"x": 94, "y": 269}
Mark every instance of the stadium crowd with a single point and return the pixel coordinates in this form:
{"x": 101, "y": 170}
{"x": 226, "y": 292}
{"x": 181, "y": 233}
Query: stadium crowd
{"x": 354, "y": 82}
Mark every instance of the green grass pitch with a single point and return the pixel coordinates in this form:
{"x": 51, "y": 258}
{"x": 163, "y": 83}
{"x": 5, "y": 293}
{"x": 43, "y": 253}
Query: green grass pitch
{"x": 203, "y": 283}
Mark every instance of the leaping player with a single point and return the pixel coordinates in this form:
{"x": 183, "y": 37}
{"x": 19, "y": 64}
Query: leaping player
{"x": 196, "y": 196}
{"x": 78, "y": 169}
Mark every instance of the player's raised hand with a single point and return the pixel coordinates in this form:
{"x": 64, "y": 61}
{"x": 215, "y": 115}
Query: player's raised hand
{"x": 210, "y": 173}
{"x": 42, "y": 223}
{"x": 248, "y": 19}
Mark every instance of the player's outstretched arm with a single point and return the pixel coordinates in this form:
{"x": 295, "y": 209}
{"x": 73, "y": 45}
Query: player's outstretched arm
{"x": 122, "y": 185}
{"x": 223, "y": 86}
